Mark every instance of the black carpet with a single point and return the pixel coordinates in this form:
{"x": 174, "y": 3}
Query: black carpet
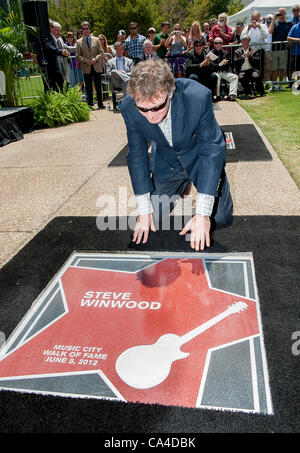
{"x": 14, "y": 122}
{"x": 274, "y": 242}
{"x": 249, "y": 146}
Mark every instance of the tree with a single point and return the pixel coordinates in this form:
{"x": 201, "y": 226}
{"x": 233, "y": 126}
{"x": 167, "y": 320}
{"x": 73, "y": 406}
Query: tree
{"x": 114, "y": 15}
{"x": 104, "y": 16}
{"x": 174, "y": 11}
{"x": 12, "y": 45}
{"x": 204, "y": 10}
{"x": 70, "y": 13}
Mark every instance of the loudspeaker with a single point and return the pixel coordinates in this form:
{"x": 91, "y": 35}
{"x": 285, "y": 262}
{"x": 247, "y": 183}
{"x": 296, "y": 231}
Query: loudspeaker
{"x": 36, "y": 15}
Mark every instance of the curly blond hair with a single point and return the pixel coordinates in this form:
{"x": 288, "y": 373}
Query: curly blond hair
{"x": 150, "y": 77}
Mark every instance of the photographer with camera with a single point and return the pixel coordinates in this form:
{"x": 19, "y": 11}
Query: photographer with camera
{"x": 258, "y": 32}
{"x": 279, "y": 29}
{"x": 177, "y": 44}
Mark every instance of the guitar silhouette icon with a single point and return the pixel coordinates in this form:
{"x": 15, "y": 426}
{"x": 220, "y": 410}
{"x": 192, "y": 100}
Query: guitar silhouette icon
{"x": 146, "y": 366}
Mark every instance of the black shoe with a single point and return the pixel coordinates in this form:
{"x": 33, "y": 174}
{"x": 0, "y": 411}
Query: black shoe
{"x": 231, "y": 98}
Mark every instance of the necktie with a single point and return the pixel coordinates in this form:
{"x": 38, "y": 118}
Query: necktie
{"x": 88, "y": 43}
{"x": 120, "y": 64}
{"x": 59, "y": 44}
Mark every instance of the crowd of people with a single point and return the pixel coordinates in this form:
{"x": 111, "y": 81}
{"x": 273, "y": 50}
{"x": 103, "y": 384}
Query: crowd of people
{"x": 230, "y": 63}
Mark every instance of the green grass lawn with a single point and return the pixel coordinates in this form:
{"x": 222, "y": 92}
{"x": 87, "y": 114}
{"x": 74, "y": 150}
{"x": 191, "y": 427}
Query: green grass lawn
{"x": 278, "y": 116}
{"x": 29, "y": 87}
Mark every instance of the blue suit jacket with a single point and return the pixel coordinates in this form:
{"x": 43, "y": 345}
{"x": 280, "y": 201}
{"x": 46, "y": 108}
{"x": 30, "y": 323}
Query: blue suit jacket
{"x": 198, "y": 142}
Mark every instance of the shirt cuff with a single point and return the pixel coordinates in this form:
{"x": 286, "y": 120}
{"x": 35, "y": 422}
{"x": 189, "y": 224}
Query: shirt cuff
{"x": 144, "y": 204}
{"x": 204, "y": 204}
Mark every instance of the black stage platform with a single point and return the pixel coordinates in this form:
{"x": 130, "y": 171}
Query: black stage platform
{"x": 14, "y": 122}
{"x": 274, "y": 243}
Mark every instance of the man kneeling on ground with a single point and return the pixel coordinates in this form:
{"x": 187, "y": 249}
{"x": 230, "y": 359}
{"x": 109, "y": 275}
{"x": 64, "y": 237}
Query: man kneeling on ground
{"x": 188, "y": 146}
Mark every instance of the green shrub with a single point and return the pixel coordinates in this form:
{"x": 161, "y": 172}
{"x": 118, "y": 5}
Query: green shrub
{"x": 58, "y": 108}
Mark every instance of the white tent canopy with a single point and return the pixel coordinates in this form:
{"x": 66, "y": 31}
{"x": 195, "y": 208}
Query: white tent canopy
{"x": 264, "y": 7}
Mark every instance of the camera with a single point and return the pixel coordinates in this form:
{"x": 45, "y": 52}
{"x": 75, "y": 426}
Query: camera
{"x": 279, "y": 14}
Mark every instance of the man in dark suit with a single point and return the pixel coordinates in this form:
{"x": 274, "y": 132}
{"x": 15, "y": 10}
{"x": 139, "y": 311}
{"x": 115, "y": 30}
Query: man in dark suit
{"x": 247, "y": 64}
{"x": 188, "y": 146}
{"x": 49, "y": 61}
{"x": 198, "y": 66}
{"x": 147, "y": 52}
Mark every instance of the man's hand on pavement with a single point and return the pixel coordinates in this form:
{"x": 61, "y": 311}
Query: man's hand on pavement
{"x": 143, "y": 225}
{"x": 199, "y": 226}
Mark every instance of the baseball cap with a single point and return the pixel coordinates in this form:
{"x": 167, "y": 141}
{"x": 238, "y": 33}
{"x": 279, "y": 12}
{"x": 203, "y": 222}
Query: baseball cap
{"x": 121, "y": 32}
{"x": 152, "y": 29}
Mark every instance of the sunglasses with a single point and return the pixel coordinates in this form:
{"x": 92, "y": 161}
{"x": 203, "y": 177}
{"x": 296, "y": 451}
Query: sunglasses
{"x": 133, "y": 28}
{"x": 218, "y": 43}
{"x": 153, "y": 109}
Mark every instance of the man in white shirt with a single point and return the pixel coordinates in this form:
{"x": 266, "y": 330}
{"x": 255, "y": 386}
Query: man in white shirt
{"x": 258, "y": 33}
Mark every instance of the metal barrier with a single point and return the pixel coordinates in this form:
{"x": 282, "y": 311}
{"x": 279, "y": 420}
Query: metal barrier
{"x": 273, "y": 64}
{"x": 276, "y": 60}
{"x": 31, "y": 80}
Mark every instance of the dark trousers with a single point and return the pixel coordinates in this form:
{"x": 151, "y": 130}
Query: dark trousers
{"x": 88, "y": 80}
{"x": 53, "y": 80}
{"x": 253, "y": 75}
{"x": 208, "y": 80}
{"x": 165, "y": 194}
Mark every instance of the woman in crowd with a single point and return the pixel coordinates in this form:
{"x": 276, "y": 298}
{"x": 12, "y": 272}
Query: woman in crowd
{"x": 71, "y": 42}
{"x": 195, "y": 35}
{"x": 107, "y": 49}
{"x": 78, "y": 64}
{"x": 177, "y": 45}
{"x": 151, "y": 34}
